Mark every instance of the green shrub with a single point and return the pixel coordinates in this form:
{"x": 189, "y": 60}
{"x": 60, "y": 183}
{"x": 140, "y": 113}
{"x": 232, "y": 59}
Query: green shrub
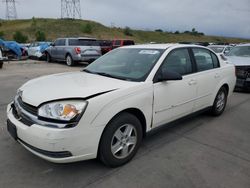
{"x": 20, "y": 37}
{"x": 87, "y": 28}
{"x": 1, "y": 34}
{"x": 40, "y": 36}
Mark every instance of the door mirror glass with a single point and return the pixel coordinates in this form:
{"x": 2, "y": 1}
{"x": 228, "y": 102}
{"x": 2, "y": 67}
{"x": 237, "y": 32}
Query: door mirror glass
{"x": 169, "y": 75}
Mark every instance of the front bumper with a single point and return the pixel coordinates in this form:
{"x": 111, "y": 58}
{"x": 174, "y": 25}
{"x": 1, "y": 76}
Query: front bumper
{"x": 243, "y": 83}
{"x": 56, "y": 145}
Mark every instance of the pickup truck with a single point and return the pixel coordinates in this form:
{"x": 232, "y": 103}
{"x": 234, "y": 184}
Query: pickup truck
{"x": 73, "y": 50}
{"x": 107, "y": 109}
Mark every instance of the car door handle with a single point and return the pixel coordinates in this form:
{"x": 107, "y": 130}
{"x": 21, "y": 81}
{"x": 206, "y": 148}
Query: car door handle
{"x": 192, "y": 82}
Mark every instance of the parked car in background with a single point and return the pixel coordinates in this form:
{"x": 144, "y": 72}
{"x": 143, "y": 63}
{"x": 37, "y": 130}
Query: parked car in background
{"x": 106, "y": 46}
{"x": 73, "y": 50}
{"x": 37, "y": 49}
{"x": 105, "y": 110}
{"x": 240, "y": 57}
{"x": 12, "y": 49}
{"x": 121, "y": 42}
{"x": 220, "y": 49}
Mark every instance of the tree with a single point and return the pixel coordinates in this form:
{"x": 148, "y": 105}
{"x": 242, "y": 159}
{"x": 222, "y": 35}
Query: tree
{"x": 159, "y": 30}
{"x": 40, "y": 36}
{"x": 20, "y": 37}
{"x": 87, "y": 28}
{"x": 177, "y": 32}
{"x": 127, "y": 31}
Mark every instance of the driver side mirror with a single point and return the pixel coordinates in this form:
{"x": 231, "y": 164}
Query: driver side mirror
{"x": 169, "y": 76}
{"x": 52, "y": 44}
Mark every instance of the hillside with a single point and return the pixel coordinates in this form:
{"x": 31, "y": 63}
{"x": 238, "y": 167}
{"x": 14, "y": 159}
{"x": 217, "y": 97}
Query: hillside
{"x": 54, "y": 28}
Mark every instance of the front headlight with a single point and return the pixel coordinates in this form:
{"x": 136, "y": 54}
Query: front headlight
{"x": 62, "y": 110}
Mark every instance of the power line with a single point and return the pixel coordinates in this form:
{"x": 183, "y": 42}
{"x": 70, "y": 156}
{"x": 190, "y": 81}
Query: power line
{"x": 71, "y": 9}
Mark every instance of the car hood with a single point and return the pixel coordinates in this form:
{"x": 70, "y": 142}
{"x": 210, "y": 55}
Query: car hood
{"x": 69, "y": 85}
{"x": 239, "y": 61}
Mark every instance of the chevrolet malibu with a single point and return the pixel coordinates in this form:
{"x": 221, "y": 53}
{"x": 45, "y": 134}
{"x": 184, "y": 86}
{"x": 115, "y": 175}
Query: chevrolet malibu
{"x": 106, "y": 109}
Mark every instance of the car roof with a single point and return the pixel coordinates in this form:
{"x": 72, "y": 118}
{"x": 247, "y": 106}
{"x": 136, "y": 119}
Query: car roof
{"x": 162, "y": 46}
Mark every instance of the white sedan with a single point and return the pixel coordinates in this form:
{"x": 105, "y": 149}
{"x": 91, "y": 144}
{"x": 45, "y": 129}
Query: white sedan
{"x": 37, "y": 49}
{"x": 105, "y": 110}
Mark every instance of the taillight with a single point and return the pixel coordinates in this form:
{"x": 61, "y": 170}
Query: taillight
{"x": 78, "y": 50}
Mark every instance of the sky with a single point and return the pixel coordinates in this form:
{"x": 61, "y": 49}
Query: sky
{"x": 213, "y": 17}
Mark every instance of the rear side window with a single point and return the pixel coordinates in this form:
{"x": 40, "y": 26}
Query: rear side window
{"x": 83, "y": 42}
{"x": 178, "y": 61}
{"x": 203, "y": 58}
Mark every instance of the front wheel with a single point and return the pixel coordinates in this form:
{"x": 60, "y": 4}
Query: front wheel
{"x": 219, "y": 102}
{"x": 48, "y": 58}
{"x": 120, "y": 140}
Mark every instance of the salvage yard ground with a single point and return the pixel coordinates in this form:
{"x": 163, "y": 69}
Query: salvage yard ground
{"x": 199, "y": 152}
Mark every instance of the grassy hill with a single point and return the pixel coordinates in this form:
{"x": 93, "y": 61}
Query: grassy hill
{"x": 54, "y": 28}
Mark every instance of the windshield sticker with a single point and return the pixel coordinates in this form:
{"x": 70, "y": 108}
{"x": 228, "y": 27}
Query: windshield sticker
{"x": 149, "y": 52}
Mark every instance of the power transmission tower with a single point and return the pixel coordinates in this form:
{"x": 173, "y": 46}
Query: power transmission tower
{"x": 71, "y": 9}
{"x": 11, "y": 13}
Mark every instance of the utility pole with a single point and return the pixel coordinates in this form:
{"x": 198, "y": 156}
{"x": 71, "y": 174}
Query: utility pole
{"x": 11, "y": 13}
{"x": 71, "y": 9}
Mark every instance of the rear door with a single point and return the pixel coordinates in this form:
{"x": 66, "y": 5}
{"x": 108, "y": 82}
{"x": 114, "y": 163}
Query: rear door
{"x": 61, "y": 49}
{"x": 207, "y": 76}
{"x": 174, "y": 99}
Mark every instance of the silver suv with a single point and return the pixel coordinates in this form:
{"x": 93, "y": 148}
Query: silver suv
{"x": 74, "y": 50}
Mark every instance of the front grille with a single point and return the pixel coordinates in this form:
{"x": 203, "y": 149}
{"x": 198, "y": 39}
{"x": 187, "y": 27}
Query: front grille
{"x": 27, "y": 107}
{"x": 243, "y": 72}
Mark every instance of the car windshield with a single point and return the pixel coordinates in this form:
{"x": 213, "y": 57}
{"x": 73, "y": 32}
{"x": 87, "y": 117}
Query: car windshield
{"x": 217, "y": 49}
{"x": 131, "y": 64}
{"x": 242, "y": 51}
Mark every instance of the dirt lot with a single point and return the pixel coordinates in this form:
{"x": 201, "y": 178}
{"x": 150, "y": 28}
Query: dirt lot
{"x": 198, "y": 152}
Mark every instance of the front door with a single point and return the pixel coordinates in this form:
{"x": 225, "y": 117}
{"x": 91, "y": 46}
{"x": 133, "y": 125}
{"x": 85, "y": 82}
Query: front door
{"x": 174, "y": 99}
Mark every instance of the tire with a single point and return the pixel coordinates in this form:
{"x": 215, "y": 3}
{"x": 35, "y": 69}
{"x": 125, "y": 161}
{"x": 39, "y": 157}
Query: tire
{"x": 69, "y": 60}
{"x": 220, "y": 102}
{"x": 120, "y": 140}
{"x": 48, "y": 58}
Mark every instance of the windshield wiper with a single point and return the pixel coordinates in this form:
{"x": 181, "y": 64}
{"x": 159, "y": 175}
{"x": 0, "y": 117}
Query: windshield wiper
{"x": 105, "y": 74}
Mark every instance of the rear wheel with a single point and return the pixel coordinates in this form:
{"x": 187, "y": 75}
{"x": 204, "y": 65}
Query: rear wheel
{"x": 69, "y": 60}
{"x": 219, "y": 102}
{"x": 120, "y": 140}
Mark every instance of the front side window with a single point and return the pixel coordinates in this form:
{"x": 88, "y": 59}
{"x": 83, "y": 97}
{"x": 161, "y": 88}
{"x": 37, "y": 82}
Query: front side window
{"x": 178, "y": 61}
{"x": 131, "y": 64}
{"x": 60, "y": 42}
{"x": 203, "y": 58}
